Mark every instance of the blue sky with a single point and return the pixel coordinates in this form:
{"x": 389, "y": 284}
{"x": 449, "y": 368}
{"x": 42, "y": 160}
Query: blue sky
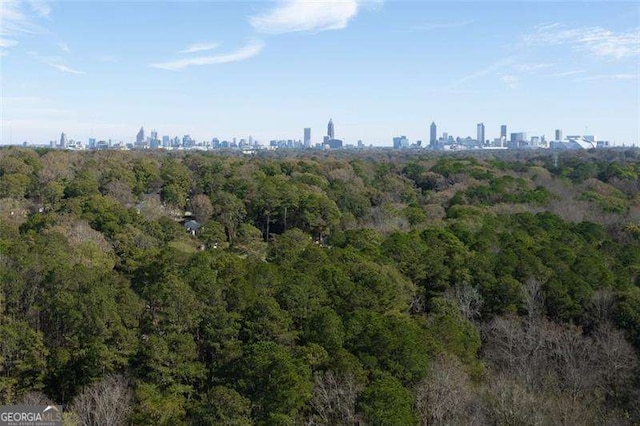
{"x": 268, "y": 69}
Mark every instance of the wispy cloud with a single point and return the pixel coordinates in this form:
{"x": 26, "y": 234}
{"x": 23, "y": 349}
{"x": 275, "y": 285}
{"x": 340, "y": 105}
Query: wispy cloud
{"x": 510, "y": 80}
{"x": 66, "y": 69}
{"x": 611, "y": 77}
{"x": 303, "y": 15}
{"x": 596, "y": 40}
{"x": 248, "y": 51}
{"x": 64, "y": 47}
{"x": 432, "y": 26}
{"x": 5, "y": 43}
{"x": 567, "y": 73}
{"x": 56, "y": 62}
{"x": 200, "y": 47}
{"x": 500, "y": 64}
{"x": 40, "y": 7}
{"x": 18, "y": 18}
{"x": 531, "y": 67}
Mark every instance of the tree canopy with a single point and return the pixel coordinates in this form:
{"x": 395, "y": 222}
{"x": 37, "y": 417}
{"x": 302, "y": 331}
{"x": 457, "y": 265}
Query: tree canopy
{"x": 321, "y": 288}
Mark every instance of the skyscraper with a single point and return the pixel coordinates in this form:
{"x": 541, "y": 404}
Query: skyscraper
{"x": 400, "y": 142}
{"x": 140, "y": 136}
{"x": 517, "y": 140}
{"x": 503, "y": 131}
{"x": 63, "y": 140}
{"x": 480, "y": 137}
{"x": 307, "y": 137}
{"x": 331, "y": 130}
{"x": 558, "y": 134}
{"x": 433, "y": 139}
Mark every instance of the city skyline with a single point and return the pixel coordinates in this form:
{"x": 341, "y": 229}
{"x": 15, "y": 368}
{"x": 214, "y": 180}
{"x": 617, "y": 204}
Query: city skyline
{"x": 432, "y": 140}
{"x": 516, "y": 140}
{"x": 267, "y": 69}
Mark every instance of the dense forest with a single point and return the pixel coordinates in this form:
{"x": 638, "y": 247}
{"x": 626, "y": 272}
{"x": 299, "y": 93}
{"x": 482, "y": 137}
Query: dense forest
{"x": 320, "y": 288}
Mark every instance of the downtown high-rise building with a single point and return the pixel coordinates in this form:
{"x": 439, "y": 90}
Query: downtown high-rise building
{"x": 480, "y": 135}
{"x": 331, "y": 130}
{"x": 503, "y": 131}
{"x": 140, "y": 136}
{"x": 64, "y": 142}
{"x": 307, "y": 137}
{"x": 517, "y": 139}
{"x": 558, "y": 135}
{"x": 433, "y": 137}
{"x": 400, "y": 142}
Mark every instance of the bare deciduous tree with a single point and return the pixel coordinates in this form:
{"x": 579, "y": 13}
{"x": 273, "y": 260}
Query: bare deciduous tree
{"x": 121, "y": 191}
{"x": 504, "y": 344}
{"x": 508, "y": 402}
{"x": 334, "y": 400}
{"x": 80, "y": 231}
{"x": 107, "y": 402}
{"x": 577, "y": 375}
{"x": 417, "y": 304}
{"x": 151, "y": 208}
{"x": 445, "y": 396}
{"x": 533, "y": 299}
{"x": 571, "y": 357}
{"x": 201, "y": 207}
{"x": 615, "y": 357}
{"x": 600, "y": 306}
{"x": 467, "y": 298}
{"x": 35, "y": 398}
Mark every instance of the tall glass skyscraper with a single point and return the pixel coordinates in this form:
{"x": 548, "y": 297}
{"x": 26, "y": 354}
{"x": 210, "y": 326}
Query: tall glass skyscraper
{"x": 63, "y": 140}
{"x": 307, "y": 137}
{"x": 140, "y": 136}
{"x": 481, "y": 139}
{"x": 330, "y": 130}
{"x": 434, "y": 134}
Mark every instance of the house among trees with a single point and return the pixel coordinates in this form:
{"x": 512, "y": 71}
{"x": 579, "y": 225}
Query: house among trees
{"x": 192, "y": 226}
